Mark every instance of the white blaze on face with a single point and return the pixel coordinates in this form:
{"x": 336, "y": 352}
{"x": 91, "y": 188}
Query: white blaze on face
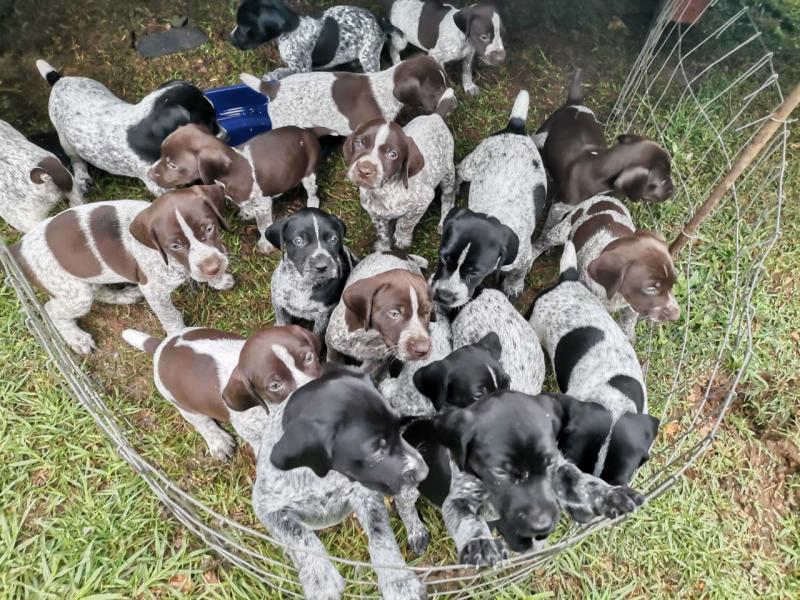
{"x": 374, "y": 157}
{"x": 494, "y": 378}
{"x": 497, "y": 42}
{"x": 414, "y": 329}
{"x": 199, "y": 251}
{"x": 287, "y": 359}
{"x": 320, "y": 251}
{"x": 454, "y": 283}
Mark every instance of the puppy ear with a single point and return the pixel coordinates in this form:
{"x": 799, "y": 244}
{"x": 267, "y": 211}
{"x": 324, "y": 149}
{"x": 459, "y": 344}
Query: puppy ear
{"x": 304, "y": 444}
{"x": 358, "y": 301}
{"x": 510, "y": 247}
{"x": 238, "y": 393}
{"x": 629, "y": 138}
{"x": 348, "y": 149}
{"x": 414, "y": 161}
{"x": 491, "y": 342}
{"x": 274, "y": 233}
{"x": 432, "y": 380}
{"x": 581, "y": 430}
{"x": 214, "y": 197}
{"x": 632, "y": 181}
{"x": 462, "y": 19}
{"x": 608, "y": 270}
{"x": 212, "y": 163}
{"x": 143, "y": 231}
{"x": 631, "y": 438}
{"x": 454, "y": 427}
{"x": 308, "y": 336}
{"x": 407, "y": 90}
{"x": 340, "y": 227}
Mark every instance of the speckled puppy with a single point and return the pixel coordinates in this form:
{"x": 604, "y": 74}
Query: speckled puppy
{"x": 397, "y": 170}
{"x": 337, "y": 36}
{"x": 32, "y": 181}
{"x": 449, "y": 34}
{"x": 95, "y": 126}
{"x": 508, "y": 190}
{"x": 75, "y": 255}
{"x": 628, "y": 269}
{"x": 594, "y": 362}
{"x": 315, "y": 264}
{"x": 337, "y": 103}
{"x": 212, "y": 375}
{"x": 384, "y": 313}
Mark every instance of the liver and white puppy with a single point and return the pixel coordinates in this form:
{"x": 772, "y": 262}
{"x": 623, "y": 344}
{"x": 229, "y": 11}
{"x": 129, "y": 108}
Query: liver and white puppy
{"x": 332, "y": 449}
{"x": 337, "y": 103}
{"x": 595, "y": 363}
{"x": 397, "y": 170}
{"x": 315, "y": 264}
{"x": 76, "y": 254}
{"x": 95, "y": 126}
{"x": 337, "y": 36}
{"x": 628, "y": 269}
{"x": 252, "y": 174}
{"x": 32, "y": 181}
{"x": 384, "y": 313}
{"x": 575, "y": 154}
{"x": 507, "y": 195}
{"x": 211, "y": 375}
{"x": 449, "y": 34}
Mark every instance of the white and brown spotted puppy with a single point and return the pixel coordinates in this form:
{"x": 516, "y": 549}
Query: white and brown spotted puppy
{"x": 449, "y": 34}
{"x": 32, "y": 181}
{"x": 397, "y": 170}
{"x": 337, "y": 103}
{"x": 384, "y": 313}
{"x": 254, "y": 173}
{"x": 212, "y": 375}
{"x": 74, "y": 256}
{"x": 628, "y": 269}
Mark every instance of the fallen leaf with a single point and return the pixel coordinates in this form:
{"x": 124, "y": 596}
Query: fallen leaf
{"x": 670, "y": 430}
{"x": 181, "y": 582}
{"x": 616, "y": 24}
{"x": 210, "y": 577}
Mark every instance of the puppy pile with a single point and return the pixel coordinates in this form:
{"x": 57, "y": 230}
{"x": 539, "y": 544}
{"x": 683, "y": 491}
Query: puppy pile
{"x": 432, "y": 380}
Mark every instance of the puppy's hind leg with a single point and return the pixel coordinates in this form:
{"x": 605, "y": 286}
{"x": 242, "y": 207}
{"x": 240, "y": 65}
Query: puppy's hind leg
{"x": 310, "y": 185}
{"x": 370, "y": 56}
{"x": 220, "y": 444}
{"x": 449, "y": 191}
{"x": 159, "y": 299}
{"x": 80, "y": 170}
{"x": 555, "y": 234}
{"x": 397, "y": 43}
{"x": 64, "y": 310}
{"x": 416, "y": 532}
{"x": 627, "y": 322}
{"x": 262, "y": 212}
{"x": 318, "y": 576}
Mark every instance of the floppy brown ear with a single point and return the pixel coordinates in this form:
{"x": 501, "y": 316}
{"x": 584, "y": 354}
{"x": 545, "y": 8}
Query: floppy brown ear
{"x": 462, "y": 19}
{"x": 52, "y": 168}
{"x": 348, "y": 148}
{"x": 238, "y": 393}
{"x": 407, "y": 91}
{"x": 629, "y": 138}
{"x": 358, "y": 301}
{"x": 143, "y": 231}
{"x": 414, "y": 161}
{"x": 214, "y": 197}
{"x": 308, "y": 336}
{"x": 212, "y": 163}
{"x": 608, "y": 270}
{"x": 632, "y": 181}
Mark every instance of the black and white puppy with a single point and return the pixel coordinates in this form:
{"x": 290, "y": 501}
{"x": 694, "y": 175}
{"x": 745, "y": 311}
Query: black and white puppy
{"x": 610, "y": 433}
{"x": 96, "y": 127}
{"x": 332, "y": 449}
{"x": 507, "y": 195}
{"x": 314, "y": 267}
{"x": 337, "y": 36}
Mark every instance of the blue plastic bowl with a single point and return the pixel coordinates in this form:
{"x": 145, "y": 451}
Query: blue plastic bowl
{"x": 241, "y": 111}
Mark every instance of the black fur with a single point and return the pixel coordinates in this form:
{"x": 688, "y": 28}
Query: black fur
{"x": 259, "y": 21}
{"x": 570, "y": 349}
{"x": 631, "y": 388}
{"x": 631, "y": 438}
{"x": 327, "y": 43}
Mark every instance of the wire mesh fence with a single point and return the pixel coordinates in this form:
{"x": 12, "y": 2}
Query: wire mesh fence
{"x": 706, "y": 87}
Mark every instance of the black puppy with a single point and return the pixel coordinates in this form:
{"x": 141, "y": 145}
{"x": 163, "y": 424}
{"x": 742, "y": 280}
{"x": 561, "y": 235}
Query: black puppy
{"x": 474, "y": 247}
{"x": 314, "y": 267}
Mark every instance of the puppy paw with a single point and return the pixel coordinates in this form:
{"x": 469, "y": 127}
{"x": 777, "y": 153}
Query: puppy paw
{"x": 222, "y": 446}
{"x": 408, "y": 588}
{"x": 482, "y": 552}
{"x": 84, "y": 185}
{"x": 620, "y": 500}
{"x": 81, "y": 342}
{"x": 440, "y": 227}
{"x": 222, "y": 283}
{"x": 418, "y": 541}
{"x": 264, "y": 246}
{"x": 472, "y": 90}
{"x": 322, "y": 580}
{"x": 513, "y": 291}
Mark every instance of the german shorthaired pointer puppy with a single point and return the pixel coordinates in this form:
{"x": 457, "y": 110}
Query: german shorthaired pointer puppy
{"x": 449, "y": 34}
{"x": 507, "y": 196}
{"x": 397, "y": 170}
{"x": 337, "y": 103}
{"x": 332, "y": 449}
{"x": 384, "y": 313}
{"x": 252, "y": 174}
{"x": 212, "y": 375}
{"x": 315, "y": 264}
{"x": 629, "y": 269}
{"x": 610, "y": 432}
{"x": 32, "y": 181}
{"x": 575, "y": 153}
{"x": 95, "y": 126}
{"x": 337, "y": 36}
{"x": 75, "y": 255}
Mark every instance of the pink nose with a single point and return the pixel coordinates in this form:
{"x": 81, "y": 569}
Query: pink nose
{"x": 497, "y": 55}
{"x": 365, "y": 169}
{"x": 420, "y": 348}
{"x": 211, "y": 267}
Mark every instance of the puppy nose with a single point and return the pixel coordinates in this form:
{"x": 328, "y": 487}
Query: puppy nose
{"x": 539, "y": 524}
{"x": 211, "y": 266}
{"x": 498, "y": 55}
{"x": 444, "y": 296}
{"x": 420, "y": 348}
{"x": 364, "y": 169}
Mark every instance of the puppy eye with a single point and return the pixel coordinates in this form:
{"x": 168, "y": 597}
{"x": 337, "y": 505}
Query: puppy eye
{"x": 651, "y": 291}
{"x": 393, "y": 314}
{"x": 275, "y": 386}
{"x": 333, "y": 239}
{"x": 176, "y": 246}
{"x": 309, "y": 357}
{"x": 392, "y": 154}
{"x": 485, "y": 37}
{"x": 359, "y": 143}
{"x": 209, "y": 229}
{"x": 299, "y": 241}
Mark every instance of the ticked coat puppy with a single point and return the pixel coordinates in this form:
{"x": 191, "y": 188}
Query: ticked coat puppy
{"x": 96, "y": 127}
{"x": 32, "y": 181}
{"x": 315, "y": 264}
{"x": 448, "y": 33}
{"x": 252, "y": 174}
{"x": 211, "y": 375}
{"x": 75, "y": 255}
{"x": 397, "y": 170}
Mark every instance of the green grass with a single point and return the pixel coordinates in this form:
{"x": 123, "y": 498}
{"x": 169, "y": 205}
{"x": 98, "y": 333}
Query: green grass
{"x": 77, "y": 522}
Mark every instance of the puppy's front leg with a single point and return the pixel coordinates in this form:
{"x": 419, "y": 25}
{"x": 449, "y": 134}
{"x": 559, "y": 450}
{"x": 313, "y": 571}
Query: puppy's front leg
{"x": 318, "y": 576}
{"x": 395, "y": 583}
{"x": 282, "y": 316}
{"x": 627, "y": 322}
{"x": 397, "y": 43}
{"x": 449, "y": 191}
{"x": 461, "y": 510}
{"x": 310, "y": 185}
{"x": 321, "y": 325}
{"x": 466, "y": 74}
{"x": 262, "y": 212}
{"x": 416, "y": 532}
{"x": 556, "y": 233}
{"x": 159, "y": 298}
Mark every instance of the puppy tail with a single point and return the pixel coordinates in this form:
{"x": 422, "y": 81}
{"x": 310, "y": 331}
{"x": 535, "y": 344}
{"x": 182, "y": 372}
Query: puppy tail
{"x": 574, "y": 92}
{"x": 47, "y": 71}
{"x": 569, "y": 263}
{"x": 519, "y": 114}
{"x": 141, "y": 341}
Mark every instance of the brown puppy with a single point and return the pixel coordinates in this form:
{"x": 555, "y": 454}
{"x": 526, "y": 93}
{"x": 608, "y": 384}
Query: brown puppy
{"x": 211, "y": 375}
{"x": 575, "y": 153}
{"x": 266, "y": 166}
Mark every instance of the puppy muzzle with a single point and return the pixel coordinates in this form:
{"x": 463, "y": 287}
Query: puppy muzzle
{"x": 365, "y": 173}
{"x": 494, "y": 57}
{"x": 211, "y": 267}
{"x": 321, "y": 267}
{"x": 670, "y": 312}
